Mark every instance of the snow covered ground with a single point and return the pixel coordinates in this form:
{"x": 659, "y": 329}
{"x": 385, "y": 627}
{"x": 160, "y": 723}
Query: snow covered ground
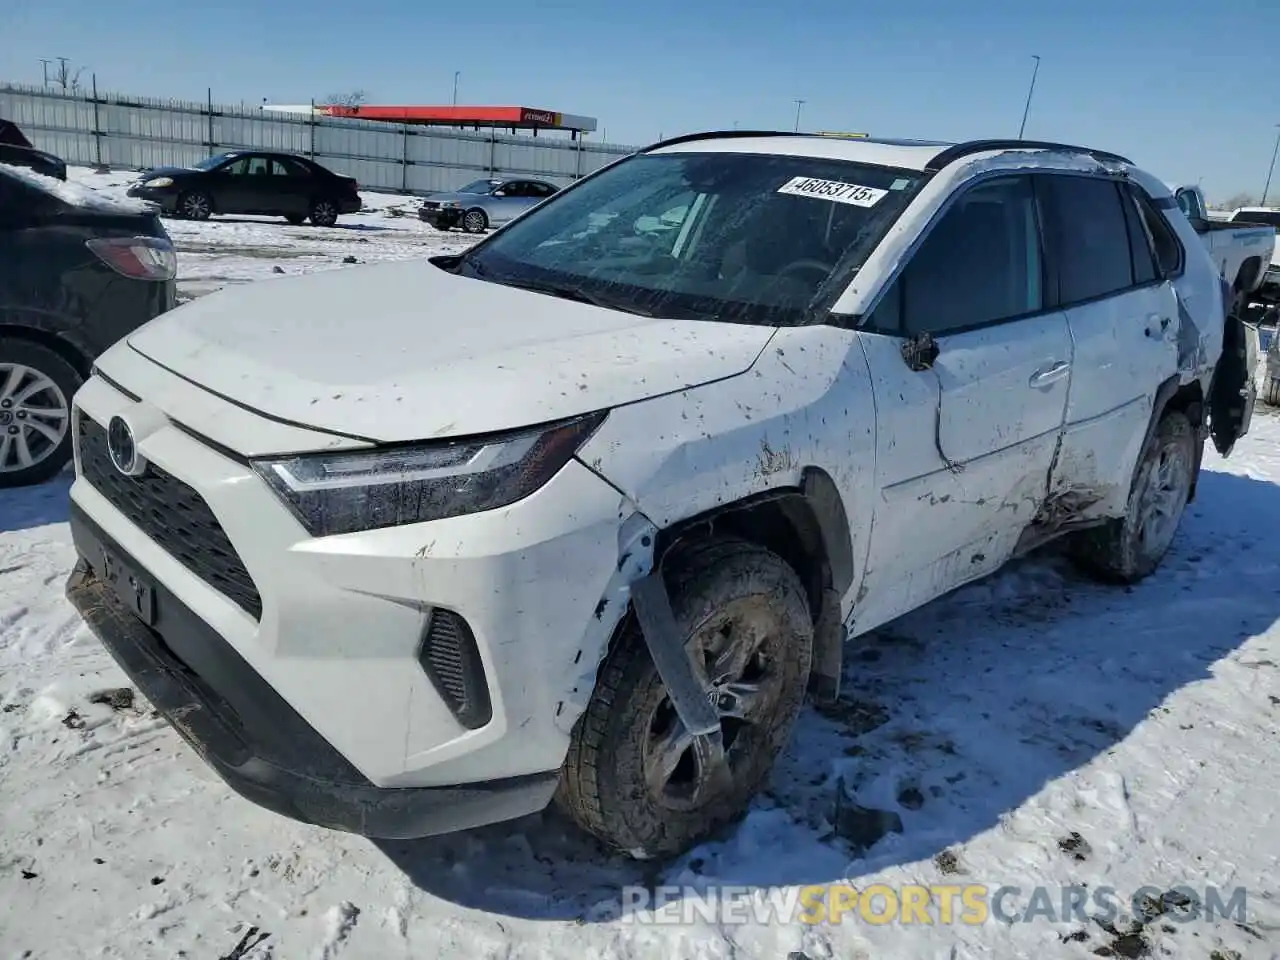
{"x": 1031, "y": 730}
{"x": 230, "y": 250}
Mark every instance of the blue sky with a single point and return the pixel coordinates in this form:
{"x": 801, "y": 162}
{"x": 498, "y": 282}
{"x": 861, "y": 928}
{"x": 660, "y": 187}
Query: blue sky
{"x": 1189, "y": 89}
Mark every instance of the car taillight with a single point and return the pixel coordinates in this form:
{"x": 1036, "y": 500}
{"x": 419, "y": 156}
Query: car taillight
{"x": 139, "y": 258}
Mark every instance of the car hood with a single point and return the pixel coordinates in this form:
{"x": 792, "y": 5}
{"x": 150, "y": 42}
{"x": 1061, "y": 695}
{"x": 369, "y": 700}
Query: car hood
{"x": 165, "y": 172}
{"x": 407, "y": 351}
{"x": 460, "y": 197}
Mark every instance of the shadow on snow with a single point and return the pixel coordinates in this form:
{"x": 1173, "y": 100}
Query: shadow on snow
{"x": 22, "y": 508}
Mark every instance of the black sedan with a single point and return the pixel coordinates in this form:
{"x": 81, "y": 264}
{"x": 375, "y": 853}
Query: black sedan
{"x": 78, "y": 272}
{"x": 251, "y": 182}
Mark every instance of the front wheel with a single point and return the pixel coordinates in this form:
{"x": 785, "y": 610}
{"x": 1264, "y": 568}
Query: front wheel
{"x": 634, "y": 776}
{"x": 36, "y": 387}
{"x": 475, "y": 221}
{"x": 1129, "y": 548}
{"x": 195, "y": 205}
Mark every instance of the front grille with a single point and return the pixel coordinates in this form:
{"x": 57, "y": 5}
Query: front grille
{"x": 431, "y": 204}
{"x": 171, "y": 514}
{"x": 451, "y": 659}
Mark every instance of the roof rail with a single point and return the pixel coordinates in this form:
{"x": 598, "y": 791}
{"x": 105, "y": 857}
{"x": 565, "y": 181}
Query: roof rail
{"x": 721, "y": 134}
{"x": 960, "y": 150}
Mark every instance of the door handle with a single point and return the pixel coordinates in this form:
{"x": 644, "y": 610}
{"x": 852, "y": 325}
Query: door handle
{"x": 1047, "y": 375}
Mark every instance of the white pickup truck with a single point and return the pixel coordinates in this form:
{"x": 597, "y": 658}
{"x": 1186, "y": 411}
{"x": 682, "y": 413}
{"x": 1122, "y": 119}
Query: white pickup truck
{"x": 1241, "y": 248}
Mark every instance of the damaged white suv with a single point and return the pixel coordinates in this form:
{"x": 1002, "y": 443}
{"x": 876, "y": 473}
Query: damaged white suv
{"x": 409, "y": 548}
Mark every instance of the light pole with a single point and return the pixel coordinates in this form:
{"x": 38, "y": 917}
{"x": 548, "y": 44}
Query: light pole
{"x": 1030, "y": 91}
{"x": 1271, "y": 169}
{"x": 799, "y": 104}
{"x": 456, "y": 75}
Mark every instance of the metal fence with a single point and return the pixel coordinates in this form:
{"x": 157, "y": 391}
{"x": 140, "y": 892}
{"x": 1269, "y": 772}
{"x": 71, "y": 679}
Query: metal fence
{"x": 109, "y": 129}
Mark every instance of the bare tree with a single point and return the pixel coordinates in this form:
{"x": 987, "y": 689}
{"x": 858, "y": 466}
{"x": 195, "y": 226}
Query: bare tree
{"x": 1240, "y": 200}
{"x": 352, "y": 98}
{"x": 66, "y": 78}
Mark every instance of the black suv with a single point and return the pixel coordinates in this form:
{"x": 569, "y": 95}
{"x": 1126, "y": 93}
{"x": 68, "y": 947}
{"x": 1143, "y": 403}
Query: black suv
{"x": 78, "y": 271}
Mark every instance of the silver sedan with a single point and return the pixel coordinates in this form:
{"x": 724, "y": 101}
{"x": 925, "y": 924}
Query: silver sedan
{"x": 483, "y": 204}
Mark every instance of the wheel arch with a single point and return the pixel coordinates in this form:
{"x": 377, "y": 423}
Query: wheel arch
{"x": 808, "y": 527}
{"x": 73, "y": 353}
{"x": 1187, "y": 399}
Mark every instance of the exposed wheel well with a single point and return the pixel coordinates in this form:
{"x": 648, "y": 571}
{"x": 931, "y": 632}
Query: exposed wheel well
{"x": 57, "y": 344}
{"x": 1188, "y": 399}
{"x": 809, "y": 529}
{"x": 781, "y": 521}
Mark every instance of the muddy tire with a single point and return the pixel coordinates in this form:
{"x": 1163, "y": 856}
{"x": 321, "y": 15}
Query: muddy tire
{"x": 632, "y": 776}
{"x": 1129, "y": 548}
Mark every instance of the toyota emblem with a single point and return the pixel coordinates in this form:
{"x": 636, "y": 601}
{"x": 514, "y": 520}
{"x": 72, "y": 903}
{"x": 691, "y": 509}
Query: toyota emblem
{"x": 123, "y": 449}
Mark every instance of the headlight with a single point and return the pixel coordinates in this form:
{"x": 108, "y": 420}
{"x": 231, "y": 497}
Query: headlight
{"x": 451, "y": 204}
{"x": 159, "y": 182}
{"x": 332, "y": 493}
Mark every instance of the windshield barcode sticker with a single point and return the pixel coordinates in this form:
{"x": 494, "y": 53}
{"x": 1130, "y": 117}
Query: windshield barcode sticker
{"x": 833, "y": 190}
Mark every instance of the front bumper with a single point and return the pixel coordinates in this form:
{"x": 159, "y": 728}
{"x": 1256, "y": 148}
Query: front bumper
{"x": 339, "y": 627}
{"x": 242, "y": 728}
{"x": 441, "y": 218}
{"x": 350, "y": 205}
{"x": 165, "y": 197}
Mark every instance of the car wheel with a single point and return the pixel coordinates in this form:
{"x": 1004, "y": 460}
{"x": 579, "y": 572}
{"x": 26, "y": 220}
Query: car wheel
{"x": 475, "y": 221}
{"x": 36, "y": 387}
{"x": 1128, "y": 548}
{"x": 324, "y": 213}
{"x": 633, "y": 777}
{"x": 297, "y": 219}
{"x": 195, "y": 205}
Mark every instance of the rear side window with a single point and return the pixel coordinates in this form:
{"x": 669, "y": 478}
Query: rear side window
{"x": 1144, "y": 260}
{"x": 979, "y": 264}
{"x": 1092, "y": 237}
{"x": 1164, "y": 242}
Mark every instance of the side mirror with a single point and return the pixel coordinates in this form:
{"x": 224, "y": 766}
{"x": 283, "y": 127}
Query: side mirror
{"x": 920, "y": 351}
{"x": 499, "y": 193}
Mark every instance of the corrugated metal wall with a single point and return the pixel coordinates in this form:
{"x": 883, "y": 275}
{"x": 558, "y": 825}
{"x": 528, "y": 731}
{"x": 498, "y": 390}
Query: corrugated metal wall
{"x": 138, "y": 132}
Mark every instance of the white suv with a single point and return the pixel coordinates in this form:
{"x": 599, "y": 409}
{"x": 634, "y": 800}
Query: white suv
{"x": 408, "y": 548}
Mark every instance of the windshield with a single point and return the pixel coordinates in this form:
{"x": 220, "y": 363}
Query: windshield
{"x": 740, "y": 237}
{"x": 477, "y": 186}
{"x": 213, "y": 161}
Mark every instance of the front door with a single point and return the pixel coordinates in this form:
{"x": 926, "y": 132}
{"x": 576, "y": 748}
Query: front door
{"x": 507, "y": 202}
{"x": 966, "y": 426}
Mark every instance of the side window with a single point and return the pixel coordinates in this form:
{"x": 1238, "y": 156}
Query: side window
{"x": 292, "y": 168}
{"x": 1164, "y": 242}
{"x": 1092, "y": 247}
{"x": 259, "y": 166}
{"x": 541, "y": 190}
{"x": 979, "y": 264}
{"x": 236, "y": 168}
{"x": 1144, "y": 261}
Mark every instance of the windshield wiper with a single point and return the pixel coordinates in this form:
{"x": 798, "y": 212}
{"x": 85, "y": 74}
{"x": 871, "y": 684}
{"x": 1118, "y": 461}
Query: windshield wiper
{"x": 570, "y": 292}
